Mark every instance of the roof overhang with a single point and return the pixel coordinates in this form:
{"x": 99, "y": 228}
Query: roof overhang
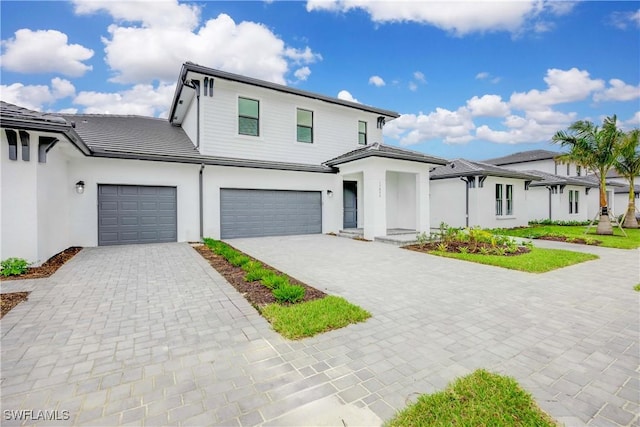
{"x": 65, "y": 129}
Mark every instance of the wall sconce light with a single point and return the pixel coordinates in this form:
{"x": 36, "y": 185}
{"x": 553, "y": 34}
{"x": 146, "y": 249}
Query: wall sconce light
{"x": 80, "y": 187}
{"x": 329, "y": 193}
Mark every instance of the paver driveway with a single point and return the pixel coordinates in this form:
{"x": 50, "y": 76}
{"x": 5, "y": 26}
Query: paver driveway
{"x": 151, "y": 335}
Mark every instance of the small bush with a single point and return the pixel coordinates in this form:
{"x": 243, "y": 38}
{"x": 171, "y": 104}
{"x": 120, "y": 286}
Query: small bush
{"x": 251, "y": 265}
{"x": 14, "y": 267}
{"x": 275, "y": 281}
{"x": 239, "y": 260}
{"x": 289, "y": 293}
{"x": 257, "y": 274}
{"x": 443, "y": 247}
{"x": 557, "y": 222}
{"x": 463, "y": 250}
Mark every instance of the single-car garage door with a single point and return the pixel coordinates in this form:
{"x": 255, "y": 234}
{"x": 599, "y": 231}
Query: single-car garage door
{"x": 253, "y": 213}
{"x": 136, "y": 214}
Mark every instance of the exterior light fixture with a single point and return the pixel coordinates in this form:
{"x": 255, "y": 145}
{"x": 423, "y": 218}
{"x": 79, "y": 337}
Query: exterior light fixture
{"x": 329, "y": 193}
{"x": 80, "y": 187}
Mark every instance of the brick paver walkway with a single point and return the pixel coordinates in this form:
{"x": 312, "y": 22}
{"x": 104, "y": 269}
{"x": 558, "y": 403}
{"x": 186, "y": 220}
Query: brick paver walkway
{"x": 151, "y": 335}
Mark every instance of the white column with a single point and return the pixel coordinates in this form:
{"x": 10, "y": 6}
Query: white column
{"x": 375, "y": 206}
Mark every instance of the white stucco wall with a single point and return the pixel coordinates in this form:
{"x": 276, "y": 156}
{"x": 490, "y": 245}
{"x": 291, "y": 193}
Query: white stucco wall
{"x": 537, "y": 203}
{"x": 401, "y": 200}
{"x": 335, "y": 127}
{"x": 447, "y": 202}
{"x": 486, "y": 208}
{"x": 93, "y": 171}
{"x": 547, "y": 166}
{"x": 217, "y": 177}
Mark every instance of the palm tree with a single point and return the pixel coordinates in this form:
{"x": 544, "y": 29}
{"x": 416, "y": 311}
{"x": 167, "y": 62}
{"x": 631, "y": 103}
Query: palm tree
{"x": 628, "y": 165}
{"x": 594, "y": 148}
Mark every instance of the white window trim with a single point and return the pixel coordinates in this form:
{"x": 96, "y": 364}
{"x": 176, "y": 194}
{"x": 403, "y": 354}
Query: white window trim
{"x": 314, "y": 138}
{"x": 260, "y": 136}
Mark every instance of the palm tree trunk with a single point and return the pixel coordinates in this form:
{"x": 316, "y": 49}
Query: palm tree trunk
{"x": 630, "y": 220}
{"x": 604, "y": 224}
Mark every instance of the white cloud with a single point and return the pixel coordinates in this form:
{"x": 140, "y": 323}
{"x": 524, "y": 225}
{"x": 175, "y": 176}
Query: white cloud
{"x": 413, "y": 86}
{"x": 35, "y": 97}
{"x": 618, "y": 91}
{"x": 633, "y": 122}
{"x": 563, "y": 86}
{"x": 456, "y": 17}
{"x": 419, "y": 77}
{"x": 346, "y": 96}
{"x": 170, "y": 34}
{"x": 376, "y": 81}
{"x": 302, "y": 74}
{"x": 488, "y": 106}
{"x": 141, "y": 99}
{"x": 44, "y": 51}
{"x": 483, "y": 75}
{"x": 453, "y": 127}
{"x": 624, "y": 20}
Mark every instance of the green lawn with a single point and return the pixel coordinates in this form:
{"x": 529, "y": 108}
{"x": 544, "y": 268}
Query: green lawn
{"x": 616, "y": 241}
{"x": 313, "y": 317}
{"x": 479, "y": 399}
{"x": 539, "y": 260}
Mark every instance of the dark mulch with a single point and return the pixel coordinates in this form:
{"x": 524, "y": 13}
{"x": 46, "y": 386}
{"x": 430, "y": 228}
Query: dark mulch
{"x": 49, "y": 267}
{"x": 256, "y": 293}
{"x": 8, "y": 301}
{"x": 578, "y": 240}
{"x": 454, "y": 247}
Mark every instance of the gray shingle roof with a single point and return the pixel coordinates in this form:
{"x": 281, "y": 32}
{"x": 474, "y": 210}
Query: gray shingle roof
{"x": 625, "y": 189}
{"x": 386, "y": 151}
{"x": 191, "y": 67}
{"x": 462, "y": 167}
{"x": 523, "y": 156}
{"x": 551, "y": 179}
{"x": 12, "y": 111}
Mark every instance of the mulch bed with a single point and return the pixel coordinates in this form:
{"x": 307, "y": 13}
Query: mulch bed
{"x": 8, "y": 301}
{"x": 256, "y": 293}
{"x": 49, "y": 267}
{"x": 577, "y": 240}
{"x": 453, "y": 247}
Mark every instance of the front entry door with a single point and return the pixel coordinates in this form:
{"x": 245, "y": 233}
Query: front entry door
{"x": 350, "y": 216}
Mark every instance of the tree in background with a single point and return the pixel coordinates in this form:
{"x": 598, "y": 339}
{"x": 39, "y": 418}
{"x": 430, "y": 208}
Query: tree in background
{"x": 628, "y": 165}
{"x": 595, "y": 148}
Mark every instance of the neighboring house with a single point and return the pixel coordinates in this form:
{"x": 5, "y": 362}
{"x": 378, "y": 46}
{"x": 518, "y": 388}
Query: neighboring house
{"x": 467, "y": 193}
{"x": 621, "y": 199}
{"x": 238, "y": 157}
{"x": 560, "y": 198}
{"x": 541, "y": 160}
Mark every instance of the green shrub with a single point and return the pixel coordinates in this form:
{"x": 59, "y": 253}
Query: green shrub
{"x": 257, "y": 274}
{"x": 239, "y": 260}
{"x": 275, "y": 281}
{"x": 442, "y": 247}
{"x": 557, "y": 222}
{"x": 14, "y": 267}
{"x": 289, "y": 293}
{"x": 251, "y": 265}
{"x": 463, "y": 250}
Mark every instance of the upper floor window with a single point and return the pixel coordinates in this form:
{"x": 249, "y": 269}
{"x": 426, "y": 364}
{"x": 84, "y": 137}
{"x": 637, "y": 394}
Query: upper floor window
{"x": 304, "y": 129}
{"x": 578, "y": 170}
{"x": 248, "y": 117}
{"x": 568, "y": 169}
{"x": 362, "y": 133}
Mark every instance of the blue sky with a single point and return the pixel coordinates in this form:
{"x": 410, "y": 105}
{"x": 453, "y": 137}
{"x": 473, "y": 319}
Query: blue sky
{"x": 470, "y": 79}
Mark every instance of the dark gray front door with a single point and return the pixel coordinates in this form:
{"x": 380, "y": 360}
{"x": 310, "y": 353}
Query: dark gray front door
{"x": 136, "y": 214}
{"x": 255, "y": 213}
{"x": 350, "y": 216}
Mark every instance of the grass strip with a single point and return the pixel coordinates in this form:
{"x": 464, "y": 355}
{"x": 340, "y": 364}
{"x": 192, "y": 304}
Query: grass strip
{"x": 539, "y": 260}
{"x": 617, "y": 241}
{"x": 313, "y": 317}
{"x": 478, "y": 399}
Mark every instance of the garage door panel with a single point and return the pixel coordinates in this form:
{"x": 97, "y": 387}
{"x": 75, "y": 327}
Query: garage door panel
{"x": 252, "y": 213}
{"x": 129, "y": 214}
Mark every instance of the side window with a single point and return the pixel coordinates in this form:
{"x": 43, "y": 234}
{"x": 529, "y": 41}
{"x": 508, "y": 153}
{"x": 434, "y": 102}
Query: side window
{"x": 509, "y": 199}
{"x": 248, "y": 117}
{"x": 362, "y": 133}
{"x": 12, "y": 138}
{"x": 304, "y": 130}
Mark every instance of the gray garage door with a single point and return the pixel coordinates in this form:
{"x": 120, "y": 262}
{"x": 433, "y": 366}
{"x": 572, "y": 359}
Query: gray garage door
{"x": 136, "y": 214}
{"x": 253, "y": 213}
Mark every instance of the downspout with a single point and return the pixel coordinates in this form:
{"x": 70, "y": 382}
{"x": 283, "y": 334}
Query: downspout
{"x": 200, "y": 185}
{"x": 467, "y": 181}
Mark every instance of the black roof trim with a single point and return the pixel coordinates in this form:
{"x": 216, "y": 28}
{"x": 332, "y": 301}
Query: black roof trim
{"x": 190, "y": 66}
{"x": 462, "y": 167}
{"x": 523, "y": 157}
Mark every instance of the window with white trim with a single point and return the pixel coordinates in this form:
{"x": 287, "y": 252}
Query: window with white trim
{"x": 499, "y": 199}
{"x": 304, "y": 130}
{"x": 509, "y": 199}
{"x": 573, "y": 201}
{"x": 362, "y": 133}
{"x": 248, "y": 117}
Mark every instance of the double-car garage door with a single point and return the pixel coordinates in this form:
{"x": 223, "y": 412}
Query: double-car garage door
{"x": 130, "y": 214}
{"x": 254, "y": 213}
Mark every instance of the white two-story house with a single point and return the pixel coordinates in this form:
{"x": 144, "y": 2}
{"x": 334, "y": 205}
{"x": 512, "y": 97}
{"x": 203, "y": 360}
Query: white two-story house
{"x": 238, "y": 157}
